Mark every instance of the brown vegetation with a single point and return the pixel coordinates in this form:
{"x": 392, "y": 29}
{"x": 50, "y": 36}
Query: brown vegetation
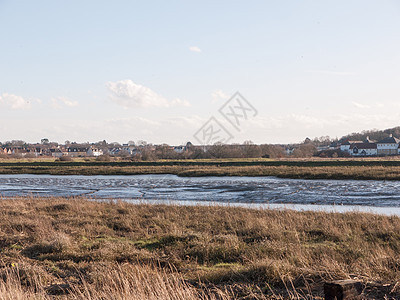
{"x": 92, "y": 250}
{"x": 377, "y": 169}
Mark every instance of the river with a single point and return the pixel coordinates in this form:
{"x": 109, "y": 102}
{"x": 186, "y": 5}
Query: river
{"x": 332, "y": 195}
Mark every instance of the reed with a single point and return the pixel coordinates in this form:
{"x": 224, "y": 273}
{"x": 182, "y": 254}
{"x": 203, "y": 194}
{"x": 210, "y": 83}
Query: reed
{"x": 299, "y": 169}
{"x": 147, "y": 251}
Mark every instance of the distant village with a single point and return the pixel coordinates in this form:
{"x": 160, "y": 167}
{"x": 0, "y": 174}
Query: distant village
{"x": 140, "y": 150}
{"x": 367, "y": 147}
{"x": 345, "y": 147}
{"x": 51, "y": 149}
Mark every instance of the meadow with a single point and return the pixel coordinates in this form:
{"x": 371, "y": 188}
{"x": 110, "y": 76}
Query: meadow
{"x": 372, "y": 168}
{"x": 52, "y": 248}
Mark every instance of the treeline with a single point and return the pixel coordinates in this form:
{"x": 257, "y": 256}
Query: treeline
{"x": 246, "y": 150}
{"x": 374, "y": 134}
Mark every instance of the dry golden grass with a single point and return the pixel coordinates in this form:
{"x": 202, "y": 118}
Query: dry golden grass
{"x": 377, "y": 169}
{"x": 111, "y": 281}
{"x": 147, "y": 251}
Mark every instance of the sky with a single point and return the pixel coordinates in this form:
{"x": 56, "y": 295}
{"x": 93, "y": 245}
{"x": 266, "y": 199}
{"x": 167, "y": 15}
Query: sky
{"x": 161, "y": 71}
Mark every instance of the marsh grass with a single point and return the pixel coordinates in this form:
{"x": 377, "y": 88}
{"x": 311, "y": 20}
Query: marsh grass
{"x": 109, "y": 281}
{"x": 98, "y": 249}
{"x": 378, "y": 169}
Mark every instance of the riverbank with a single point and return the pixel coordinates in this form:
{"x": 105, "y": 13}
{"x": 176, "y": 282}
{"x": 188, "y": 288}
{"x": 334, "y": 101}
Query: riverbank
{"x": 99, "y": 249}
{"x": 358, "y": 169}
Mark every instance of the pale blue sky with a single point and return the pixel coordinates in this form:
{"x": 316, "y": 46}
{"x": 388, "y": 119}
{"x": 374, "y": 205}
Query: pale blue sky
{"x": 310, "y": 68}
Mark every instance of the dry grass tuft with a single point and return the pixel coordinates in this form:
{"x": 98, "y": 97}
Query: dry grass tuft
{"x": 92, "y": 250}
{"x": 119, "y": 282}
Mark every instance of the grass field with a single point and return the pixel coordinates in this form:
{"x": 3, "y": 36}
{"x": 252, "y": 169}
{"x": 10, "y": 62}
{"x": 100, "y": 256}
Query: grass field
{"x": 376, "y": 168}
{"x": 108, "y": 250}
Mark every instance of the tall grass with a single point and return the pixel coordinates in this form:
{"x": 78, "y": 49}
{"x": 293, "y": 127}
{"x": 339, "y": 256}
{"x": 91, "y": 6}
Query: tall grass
{"x": 303, "y": 169}
{"x": 104, "y": 248}
{"x": 119, "y": 282}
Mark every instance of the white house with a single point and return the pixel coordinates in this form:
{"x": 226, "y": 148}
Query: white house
{"x": 363, "y": 149}
{"x": 92, "y": 151}
{"x": 77, "y": 151}
{"x": 388, "y": 146}
{"x": 345, "y": 147}
{"x": 56, "y": 152}
{"x": 179, "y": 149}
{"x": 289, "y": 150}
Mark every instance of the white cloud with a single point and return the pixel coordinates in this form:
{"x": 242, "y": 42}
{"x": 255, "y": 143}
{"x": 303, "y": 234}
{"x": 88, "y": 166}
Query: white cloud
{"x": 219, "y": 95}
{"x": 133, "y": 95}
{"x": 195, "y": 49}
{"x": 330, "y": 72}
{"x": 360, "y": 105}
{"x": 132, "y": 121}
{"x": 14, "y": 102}
{"x": 60, "y": 102}
{"x": 179, "y": 102}
{"x": 367, "y": 106}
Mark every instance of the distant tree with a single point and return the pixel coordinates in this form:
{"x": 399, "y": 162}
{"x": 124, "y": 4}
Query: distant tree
{"x": 272, "y": 151}
{"x": 374, "y": 134}
{"x": 321, "y": 141}
{"x": 250, "y": 150}
{"x": 102, "y": 145}
{"x": 148, "y": 154}
{"x": 114, "y": 145}
{"x": 44, "y": 141}
{"x": 165, "y": 151}
{"x": 330, "y": 153}
{"x": 17, "y": 143}
{"x": 123, "y": 153}
{"x": 305, "y": 150}
{"x": 141, "y": 143}
{"x": 219, "y": 150}
{"x": 197, "y": 152}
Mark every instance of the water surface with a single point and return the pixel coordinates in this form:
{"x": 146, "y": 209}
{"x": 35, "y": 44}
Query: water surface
{"x": 245, "y": 190}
